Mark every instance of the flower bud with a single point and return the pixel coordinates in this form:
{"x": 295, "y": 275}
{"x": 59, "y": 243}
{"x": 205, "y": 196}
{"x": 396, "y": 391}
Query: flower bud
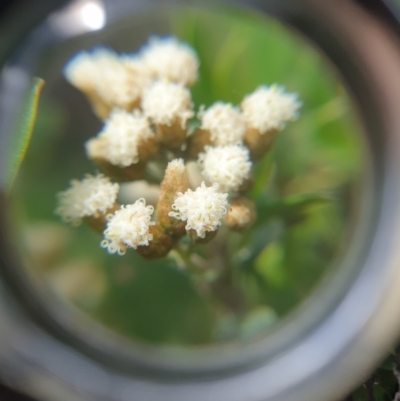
{"x": 169, "y": 106}
{"x": 125, "y": 139}
{"x": 131, "y": 173}
{"x": 197, "y": 142}
{"x": 209, "y": 235}
{"x": 224, "y": 122}
{"x": 247, "y": 184}
{"x": 259, "y": 143}
{"x": 128, "y": 227}
{"x": 241, "y": 214}
{"x": 266, "y": 111}
{"x": 168, "y": 58}
{"x": 201, "y": 209}
{"x": 175, "y": 181}
{"x": 98, "y": 221}
{"x": 93, "y": 196}
{"x": 171, "y": 135}
{"x": 229, "y": 166}
{"x": 107, "y": 79}
{"x": 160, "y": 245}
{"x": 99, "y": 106}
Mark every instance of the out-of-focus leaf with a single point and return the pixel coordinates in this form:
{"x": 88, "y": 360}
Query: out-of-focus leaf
{"x": 270, "y": 264}
{"x": 301, "y": 203}
{"x": 291, "y": 207}
{"x": 263, "y": 171}
{"x": 24, "y": 133}
{"x": 385, "y": 385}
{"x": 157, "y": 304}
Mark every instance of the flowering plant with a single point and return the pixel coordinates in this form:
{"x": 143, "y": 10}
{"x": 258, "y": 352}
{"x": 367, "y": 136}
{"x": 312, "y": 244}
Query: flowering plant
{"x": 200, "y": 264}
{"x": 204, "y": 166}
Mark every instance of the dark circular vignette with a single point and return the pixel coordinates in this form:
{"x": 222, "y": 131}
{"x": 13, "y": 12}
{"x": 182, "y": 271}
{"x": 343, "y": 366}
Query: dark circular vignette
{"x": 368, "y": 60}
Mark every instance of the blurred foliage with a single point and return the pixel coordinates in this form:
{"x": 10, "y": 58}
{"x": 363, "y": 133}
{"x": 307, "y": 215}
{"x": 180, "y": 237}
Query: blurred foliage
{"x": 304, "y": 190}
{"x": 383, "y": 384}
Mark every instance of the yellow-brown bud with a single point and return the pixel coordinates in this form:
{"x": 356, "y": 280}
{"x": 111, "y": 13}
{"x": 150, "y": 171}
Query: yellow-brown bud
{"x": 241, "y": 215}
{"x": 172, "y": 136}
{"x": 175, "y": 180}
{"x": 198, "y": 240}
{"x": 100, "y": 108}
{"x": 197, "y": 142}
{"x": 258, "y": 142}
{"x": 159, "y": 246}
{"x": 98, "y": 221}
{"x": 246, "y": 185}
{"x": 147, "y": 149}
{"x": 131, "y": 173}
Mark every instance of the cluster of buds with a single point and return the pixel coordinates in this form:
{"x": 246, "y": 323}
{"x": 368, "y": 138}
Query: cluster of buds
{"x": 146, "y": 106}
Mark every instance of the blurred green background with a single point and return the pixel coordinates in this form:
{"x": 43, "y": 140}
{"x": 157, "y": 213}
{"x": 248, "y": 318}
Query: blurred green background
{"x": 305, "y": 188}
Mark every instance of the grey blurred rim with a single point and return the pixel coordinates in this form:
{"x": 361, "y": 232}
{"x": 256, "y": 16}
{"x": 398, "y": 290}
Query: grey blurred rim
{"x": 320, "y": 364}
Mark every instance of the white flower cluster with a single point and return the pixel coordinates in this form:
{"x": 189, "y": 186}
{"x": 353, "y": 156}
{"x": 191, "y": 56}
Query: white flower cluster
{"x": 120, "y": 138}
{"x": 128, "y": 227}
{"x": 227, "y": 162}
{"x": 145, "y": 102}
{"x": 88, "y": 197}
{"x": 167, "y": 102}
{"x": 120, "y": 80}
{"x": 228, "y": 166}
{"x": 269, "y": 108}
{"x": 117, "y": 81}
{"x": 202, "y": 209}
{"x": 224, "y": 122}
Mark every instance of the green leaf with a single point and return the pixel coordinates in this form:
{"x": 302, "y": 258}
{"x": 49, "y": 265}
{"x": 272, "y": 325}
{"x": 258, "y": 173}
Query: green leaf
{"x": 270, "y": 264}
{"x": 291, "y": 207}
{"x": 301, "y": 203}
{"x": 263, "y": 172}
{"x": 23, "y": 135}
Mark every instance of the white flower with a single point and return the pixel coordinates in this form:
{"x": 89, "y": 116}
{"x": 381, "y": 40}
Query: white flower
{"x": 170, "y": 59}
{"x": 229, "y": 166}
{"x": 91, "y": 196}
{"x": 118, "y": 81}
{"x": 202, "y": 209}
{"x": 81, "y": 71}
{"x": 167, "y": 102}
{"x": 119, "y": 140}
{"x": 122, "y": 81}
{"x": 224, "y": 122}
{"x": 128, "y": 227}
{"x": 269, "y": 108}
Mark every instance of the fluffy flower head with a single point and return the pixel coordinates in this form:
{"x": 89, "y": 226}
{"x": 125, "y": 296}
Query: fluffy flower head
{"x": 128, "y": 227}
{"x": 167, "y": 102}
{"x": 88, "y": 197}
{"x": 83, "y": 69}
{"x": 119, "y": 140}
{"x": 269, "y": 108}
{"x": 122, "y": 81}
{"x": 170, "y": 59}
{"x": 202, "y": 209}
{"x": 229, "y": 166}
{"x": 118, "y": 81}
{"x": 224, "y": 122}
